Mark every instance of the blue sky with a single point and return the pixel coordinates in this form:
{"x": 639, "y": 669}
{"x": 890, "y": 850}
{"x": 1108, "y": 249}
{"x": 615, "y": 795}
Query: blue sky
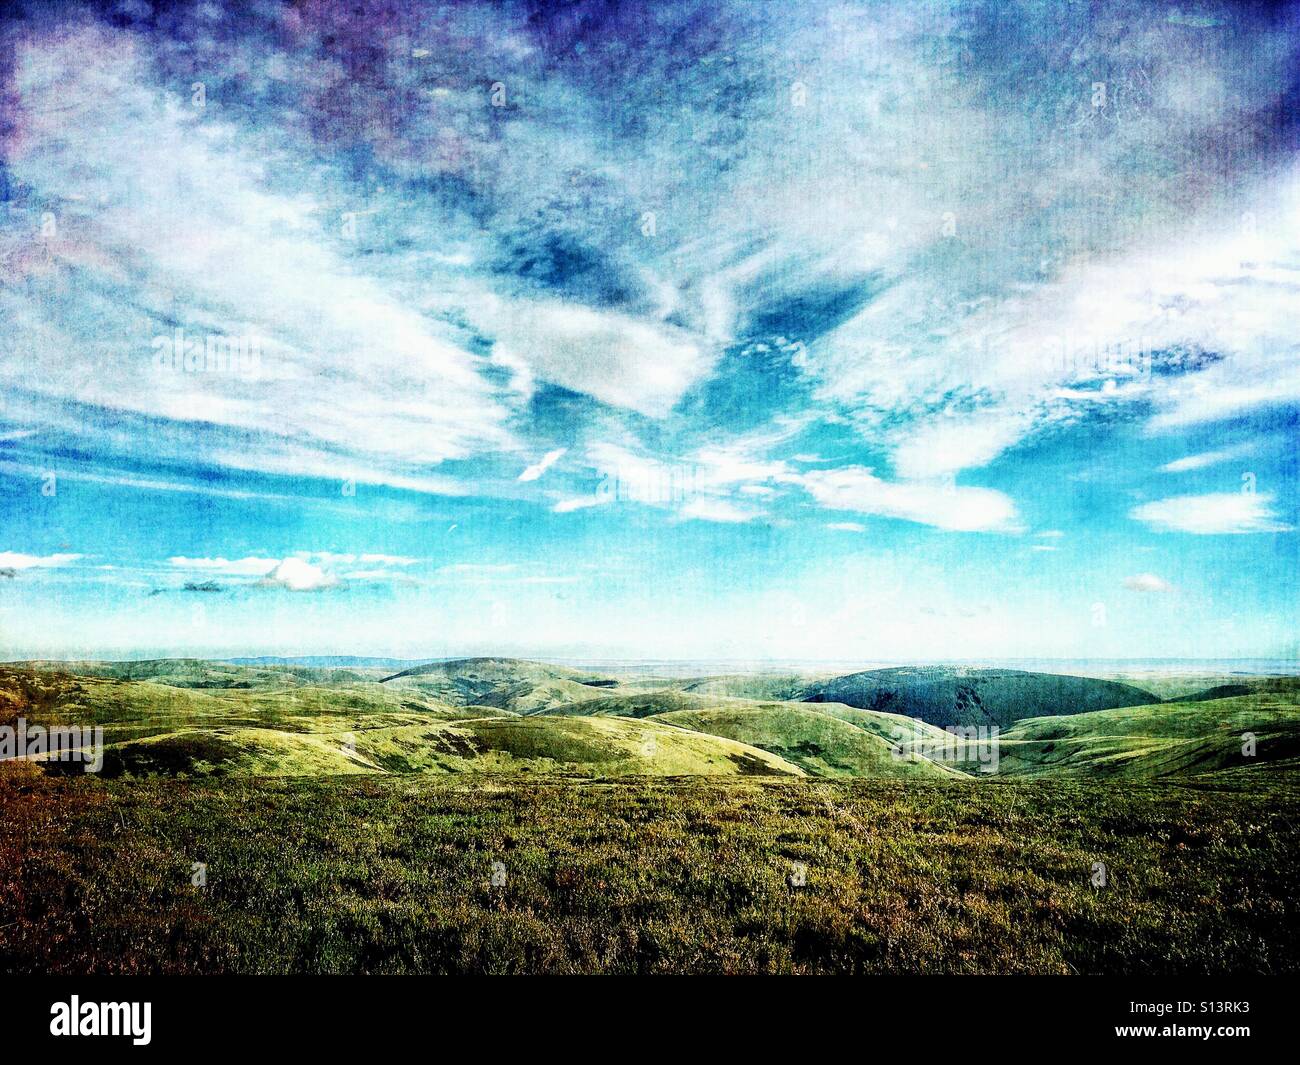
{"x": 796, "y": 331}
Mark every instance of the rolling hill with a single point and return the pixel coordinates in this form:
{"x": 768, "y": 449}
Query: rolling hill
{"x": 952, "y": 695}
{"x": 590, "y": 747}
{"x": 636, "y": 704}
{"x": 823, "y": 746}
{"x": 194, "y": 718}
{"x": 1182, "y": 739}
{"x": 781, "y": 687}
{"x": 508, "y": 683}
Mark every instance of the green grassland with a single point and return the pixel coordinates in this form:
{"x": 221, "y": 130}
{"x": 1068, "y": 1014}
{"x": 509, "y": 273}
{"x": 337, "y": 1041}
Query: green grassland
{"x": 349, "y": 820}
{"x": 393, "y": 873}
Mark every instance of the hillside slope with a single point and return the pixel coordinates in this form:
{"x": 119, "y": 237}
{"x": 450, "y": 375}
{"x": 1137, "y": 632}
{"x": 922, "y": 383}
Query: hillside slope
{"x": 823, "y": 746}
{"x": 948, "y": 695}
{"x": 508, "y": 683}
{"x": 1168, "y": 739}
{"x": 589, "y": 747}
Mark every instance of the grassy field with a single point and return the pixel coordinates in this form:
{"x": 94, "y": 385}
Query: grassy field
{"x": 395, "y": 874}
{"x": 490, "y": 816}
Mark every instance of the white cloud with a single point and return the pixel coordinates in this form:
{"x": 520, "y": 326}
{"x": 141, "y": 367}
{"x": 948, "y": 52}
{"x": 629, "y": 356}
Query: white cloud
{"x": 567, "y": 506}
{"x": 846, "y": 526}
{"x": 1207, "y": 458}
{"x": 1213, "y": 513}
{"x": 297, "y": 575}
{"x": 1147, "y": 582}
{"x": 541, "y": 466}
{"x": 355, "y": 379}
{"x": 1017, "y": 362}
{"x": 721, "y": 466}
{"x": 942, "y": 506}
{"x": 702, "y": 481}
{"x": 636, "y": 477}
{"x": 949, "y": 444}
{"x": 18, "y": 560}
{"x": 704, "y": 508}
{"x": 303, "y": 570}
{"x": 623, "y": 361}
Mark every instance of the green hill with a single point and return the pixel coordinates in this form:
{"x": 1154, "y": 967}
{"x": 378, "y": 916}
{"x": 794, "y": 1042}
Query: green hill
{"x": 203, "y": 674}
{"x": 822, "y": 745}
{"x": 637, "y": 704}
{"x": 143, "y": 708}
{"x": 1168, "y": 739}
{"x": 851, "y": 739}
{"x": 508, "y": 683}
{"x": 591, "y": 747}
{"x": 948, "y": 695}
{"x": 1219, "y": 691}
{"x": 504, "y": 715}
{"x": 778, "y": 687}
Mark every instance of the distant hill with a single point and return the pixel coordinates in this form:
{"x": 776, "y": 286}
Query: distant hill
{"x": 185, "y": 672}
{"x": 1219, "y": 691}
{"x": 779, "y": 686}
{"x": 661, "y": 704}
{"x": 333, "y": 662}
{"x": 509, "y": 683}
{"x": 188, "y": 717}
{"x": 948, "y": 695}
{"x": 498, "y": 669}
{"x": 634, "y": 704}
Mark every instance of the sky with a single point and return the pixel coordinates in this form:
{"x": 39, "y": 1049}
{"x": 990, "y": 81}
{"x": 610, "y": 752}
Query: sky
{"x": 798, "y": 331}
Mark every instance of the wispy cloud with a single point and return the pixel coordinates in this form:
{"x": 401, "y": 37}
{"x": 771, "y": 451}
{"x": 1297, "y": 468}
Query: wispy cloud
{"x": 704, "y": 509}
{"x": 389, "y": 388}
{"x": 1208, "y": 458}
{"x": 16, "y": 560}
{"x": 1147, "y": 582}
{"x": 568, "y": 506}
{"x": 543, "y": 464}
{"x": 1213, "y": 513}
{"x": 958, "y": 509}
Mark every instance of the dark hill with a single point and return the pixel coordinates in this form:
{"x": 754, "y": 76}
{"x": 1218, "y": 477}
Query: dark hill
{"x": 947, "y": 695}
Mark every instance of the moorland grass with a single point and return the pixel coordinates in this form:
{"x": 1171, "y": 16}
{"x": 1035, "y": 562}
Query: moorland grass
{"x": 395, "y": 874}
